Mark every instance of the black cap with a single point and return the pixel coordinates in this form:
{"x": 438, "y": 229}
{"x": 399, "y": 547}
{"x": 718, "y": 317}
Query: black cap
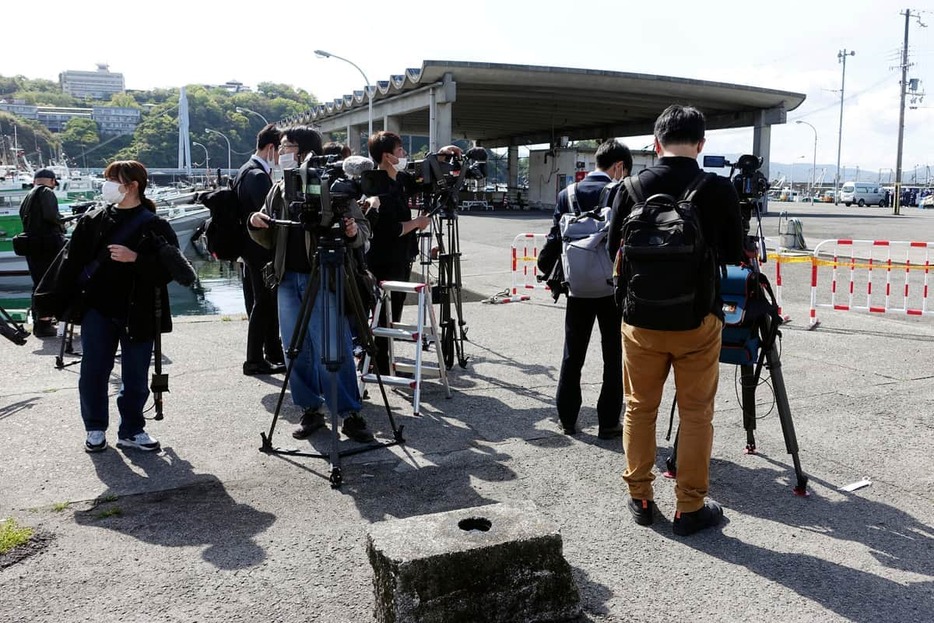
{"x": 45, "y": 173}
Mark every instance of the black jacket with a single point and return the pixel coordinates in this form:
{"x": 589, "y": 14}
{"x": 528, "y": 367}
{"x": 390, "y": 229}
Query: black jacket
{"x": 115, "y": 286}
{"x": 391, "y": 252}
{"x": 717, "y": 203}
{"x": 39, "y": 212}
{"x": 252, "y": 184}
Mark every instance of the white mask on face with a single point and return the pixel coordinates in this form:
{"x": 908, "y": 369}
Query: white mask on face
{"x": 111, "y": 192}
{"x": 400, "y": 166}
{"x": 287, "y": 161}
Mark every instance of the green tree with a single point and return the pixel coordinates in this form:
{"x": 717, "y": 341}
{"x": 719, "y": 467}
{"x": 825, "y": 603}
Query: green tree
{"x": 79, "y": 136}
{"x": 123, "y": 100}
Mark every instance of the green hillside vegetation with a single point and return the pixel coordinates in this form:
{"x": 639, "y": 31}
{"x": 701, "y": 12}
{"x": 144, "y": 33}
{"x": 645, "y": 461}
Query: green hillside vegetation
{"x": 155, "y": 140}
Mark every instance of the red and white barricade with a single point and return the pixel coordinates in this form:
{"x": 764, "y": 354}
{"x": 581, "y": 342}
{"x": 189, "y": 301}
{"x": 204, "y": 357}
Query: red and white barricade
{"x": 862, "y": 274}
{"x": 525, "y": 249}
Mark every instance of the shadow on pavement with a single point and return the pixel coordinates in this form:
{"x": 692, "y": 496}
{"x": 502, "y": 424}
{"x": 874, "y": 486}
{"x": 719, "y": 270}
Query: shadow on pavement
{"x": 202, "y": 513}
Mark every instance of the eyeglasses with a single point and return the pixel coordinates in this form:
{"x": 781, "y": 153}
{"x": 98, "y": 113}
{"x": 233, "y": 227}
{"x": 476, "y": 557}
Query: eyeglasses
{"x": 285, "y": 145}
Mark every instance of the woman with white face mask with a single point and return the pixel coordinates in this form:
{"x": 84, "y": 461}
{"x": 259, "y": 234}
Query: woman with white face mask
{"x": 294, "y": 248}
{"x": 114, "y": 257}
{"x": 394, "y": 245}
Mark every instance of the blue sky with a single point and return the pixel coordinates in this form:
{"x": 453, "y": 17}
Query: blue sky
{"x": 791, "y": 46}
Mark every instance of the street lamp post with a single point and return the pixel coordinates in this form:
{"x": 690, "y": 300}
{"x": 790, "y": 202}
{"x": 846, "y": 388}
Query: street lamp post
{"x": 814, "y": 162}
{"x": 841, "y": 58}
{"x": 369, "y": 90}
{"x": 228, "y": 145}
{"x": 252, "y": 112}
{"x": 207, "y": 157}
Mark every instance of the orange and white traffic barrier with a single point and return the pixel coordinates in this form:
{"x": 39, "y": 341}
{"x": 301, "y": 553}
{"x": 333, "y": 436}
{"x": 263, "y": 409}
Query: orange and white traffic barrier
{"x": 525, "y": 250}
{"x": 869, "y": 262}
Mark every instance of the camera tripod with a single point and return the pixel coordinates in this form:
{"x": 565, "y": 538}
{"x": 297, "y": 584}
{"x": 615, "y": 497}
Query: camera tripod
{"x": 12, "y": 330}
{"x": 768, "y": 356}
{"x": 444, "y": 221}
{"x": 329, "y": 276}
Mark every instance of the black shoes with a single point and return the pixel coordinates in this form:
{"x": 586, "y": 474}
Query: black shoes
{"x": 255, "y": 368}
{"x": 570, "y": 430}
{"x": 709, "y": 516}
{"x": 613, "y": 432}
{"x": 43, "y": 328}
{"x": 312, "y": 420}
{"x": 643, "y": 511}
{"x": 354, "y": 427}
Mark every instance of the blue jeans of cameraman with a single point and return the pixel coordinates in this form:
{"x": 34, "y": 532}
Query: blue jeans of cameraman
{"x": 99, "y": 339}
{"x": 310, "y": 378}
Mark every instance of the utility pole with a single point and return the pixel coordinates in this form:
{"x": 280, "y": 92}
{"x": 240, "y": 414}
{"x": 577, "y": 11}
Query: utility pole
{"x": 841, "y": 58}
{"x": 902, "y": 88}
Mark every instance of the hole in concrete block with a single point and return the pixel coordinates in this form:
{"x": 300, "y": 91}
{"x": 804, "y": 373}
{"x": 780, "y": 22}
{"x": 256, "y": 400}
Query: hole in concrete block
{"x": 475, "y": 523}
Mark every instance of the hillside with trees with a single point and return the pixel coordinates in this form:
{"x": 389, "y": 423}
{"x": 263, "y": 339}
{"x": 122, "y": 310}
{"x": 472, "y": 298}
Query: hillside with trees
{"x": 155, "y": 139}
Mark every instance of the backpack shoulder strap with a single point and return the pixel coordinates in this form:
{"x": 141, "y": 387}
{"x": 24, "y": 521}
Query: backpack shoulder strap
{"x": 696, "y": 184}
{"x": 634, "y": 188}
{"x": 572, "y": 198}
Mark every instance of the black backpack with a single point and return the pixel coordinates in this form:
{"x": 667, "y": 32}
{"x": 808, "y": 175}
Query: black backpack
{"x": 666, "y": 272}
{"x": 225, "y": 231}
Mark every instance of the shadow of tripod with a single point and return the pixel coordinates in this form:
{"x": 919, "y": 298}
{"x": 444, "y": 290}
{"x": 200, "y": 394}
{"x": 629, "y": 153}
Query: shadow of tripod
{"x": 330, "y": 276}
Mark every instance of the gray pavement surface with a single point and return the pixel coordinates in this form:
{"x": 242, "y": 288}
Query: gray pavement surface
{"x": 211, "y": 529}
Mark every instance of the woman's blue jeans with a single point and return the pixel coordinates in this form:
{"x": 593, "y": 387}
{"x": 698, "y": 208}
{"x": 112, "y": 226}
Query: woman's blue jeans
{"x": 99, "y": 339}
{"x": 310, "y": 381}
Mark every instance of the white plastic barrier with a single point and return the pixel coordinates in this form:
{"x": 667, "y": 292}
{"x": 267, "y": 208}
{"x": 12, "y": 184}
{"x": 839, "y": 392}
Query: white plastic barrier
{"x": 525, "y": 250}
{"x": 873, "y": 267}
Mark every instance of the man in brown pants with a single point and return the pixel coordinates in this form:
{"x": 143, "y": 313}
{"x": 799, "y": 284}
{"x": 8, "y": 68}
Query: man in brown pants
{"x": 681, "y": 328}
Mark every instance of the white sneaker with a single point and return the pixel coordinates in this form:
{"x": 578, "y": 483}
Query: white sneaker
{"x": 140, "y": 441}
{"x": 96, "y": 441}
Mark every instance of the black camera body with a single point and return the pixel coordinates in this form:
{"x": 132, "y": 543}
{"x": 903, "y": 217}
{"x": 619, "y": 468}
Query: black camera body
{"x": 443, "y": 175}
{"x": 751, "y": 186}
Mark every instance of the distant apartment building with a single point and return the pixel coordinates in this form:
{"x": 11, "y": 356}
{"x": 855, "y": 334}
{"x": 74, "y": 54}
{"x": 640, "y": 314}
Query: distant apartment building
{"x": 111, "y": 120}
{"x": 99, "y": 85}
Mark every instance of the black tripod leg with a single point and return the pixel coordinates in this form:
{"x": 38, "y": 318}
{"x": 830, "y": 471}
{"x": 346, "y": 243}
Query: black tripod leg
{"x": 748, "y": 384}
{"x": 456, "y": 287}
{"x": 784, "y": 416}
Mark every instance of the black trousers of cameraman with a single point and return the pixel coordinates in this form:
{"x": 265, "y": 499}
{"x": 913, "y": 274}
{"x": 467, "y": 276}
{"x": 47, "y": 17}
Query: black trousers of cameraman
{"x": 578, "y": 326}
{"x": 263, "y": 330}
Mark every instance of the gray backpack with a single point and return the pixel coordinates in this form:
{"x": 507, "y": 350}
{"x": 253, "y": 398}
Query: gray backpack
{"x": 588, "y": 270}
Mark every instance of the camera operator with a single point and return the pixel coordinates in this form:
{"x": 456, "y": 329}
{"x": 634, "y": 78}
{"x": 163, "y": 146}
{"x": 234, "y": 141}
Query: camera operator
{"x": 394, "y": 245}
{"x": 293, "y": 248}
{"x": 650, "y": 353}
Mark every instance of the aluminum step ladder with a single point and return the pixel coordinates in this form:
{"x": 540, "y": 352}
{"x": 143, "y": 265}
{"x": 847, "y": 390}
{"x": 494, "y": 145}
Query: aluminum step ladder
{"x": 415, "y": 368}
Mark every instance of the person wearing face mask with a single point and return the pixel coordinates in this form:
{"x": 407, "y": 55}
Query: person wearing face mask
{"x": 394, "y": 244}
{"x": 614, "y": 162}
{"x": 293, "y": 249}
{"x": 113, "y": 256}
{"x": 252, "y": 183}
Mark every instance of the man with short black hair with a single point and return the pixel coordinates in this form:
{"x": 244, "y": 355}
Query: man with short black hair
{"x": 650, "y": 353}
{"x": 252, "y": 183}
{"x": 45, "y": 227}
{"x": 614, "y": 161}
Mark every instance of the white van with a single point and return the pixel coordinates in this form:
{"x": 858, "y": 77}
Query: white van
{"x": 862, "y": 194}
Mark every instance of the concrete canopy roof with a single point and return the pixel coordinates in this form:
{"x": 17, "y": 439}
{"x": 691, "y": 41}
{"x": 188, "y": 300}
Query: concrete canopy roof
{"x": 501, "y": 104}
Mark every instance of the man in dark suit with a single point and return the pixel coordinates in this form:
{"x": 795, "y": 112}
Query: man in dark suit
{"x": 252, "y": 183}
{"x": 614, "y": 162}
{"x": 46, "y": 229}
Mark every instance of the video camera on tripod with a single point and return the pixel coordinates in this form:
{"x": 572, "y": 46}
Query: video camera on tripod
{"x": 319, "y": 191}
{"x": 751, "y": 186}
{"x": 443, "y": 175}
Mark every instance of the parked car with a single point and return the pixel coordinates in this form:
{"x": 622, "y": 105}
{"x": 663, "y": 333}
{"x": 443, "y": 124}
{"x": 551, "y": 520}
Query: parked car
{"x": 862, "y": 194}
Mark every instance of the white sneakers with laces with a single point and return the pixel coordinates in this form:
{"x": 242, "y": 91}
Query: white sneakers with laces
{"x": 96, "y": 441}
{"x": 141, "y": 441}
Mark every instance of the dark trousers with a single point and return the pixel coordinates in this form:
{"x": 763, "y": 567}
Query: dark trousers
{"x": 578, "y": 325}
{"x": 38, "y": 265}
{"x": 263, "y": 331}
{"x": 100, "y": 337}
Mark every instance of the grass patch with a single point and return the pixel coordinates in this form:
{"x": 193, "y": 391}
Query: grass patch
{"x": 110, "y": 497}
{"x": 226, "y": 318}
{"x": 60, "y": 506}
{"x": 113, "y": 511}
{"x": 11, "y": 535}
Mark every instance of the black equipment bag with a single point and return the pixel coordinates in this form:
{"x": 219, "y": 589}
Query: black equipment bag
{"x": 665, "y": 270}
{"x": 225, "y": 231}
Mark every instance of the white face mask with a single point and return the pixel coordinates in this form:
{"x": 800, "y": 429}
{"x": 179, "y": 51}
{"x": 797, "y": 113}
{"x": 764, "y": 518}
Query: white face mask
{"x": 400, "y": 166}
{"x": 111, "y": 192}
{"x": 287, "y": 161}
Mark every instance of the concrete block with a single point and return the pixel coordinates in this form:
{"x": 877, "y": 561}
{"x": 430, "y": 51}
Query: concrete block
{"x": 493, "y": 563}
